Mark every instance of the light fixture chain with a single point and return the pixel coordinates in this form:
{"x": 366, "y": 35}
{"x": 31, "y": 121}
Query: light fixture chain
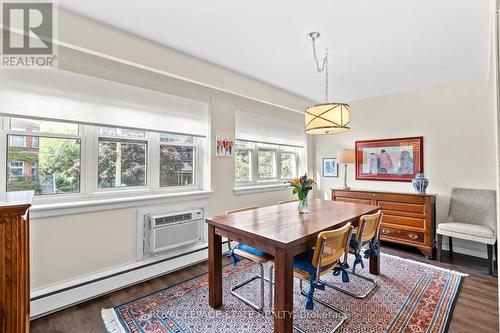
{"x": 326, "y": 76}
{"x": 323, "y": 67}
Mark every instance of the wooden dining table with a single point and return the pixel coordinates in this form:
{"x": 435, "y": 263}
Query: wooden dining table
{"x": 282, "y": 232}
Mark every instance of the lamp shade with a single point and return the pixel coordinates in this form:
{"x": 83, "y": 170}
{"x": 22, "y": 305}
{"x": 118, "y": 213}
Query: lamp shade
{"x": 328, "y": 118}
{"x": 346, "y": 156}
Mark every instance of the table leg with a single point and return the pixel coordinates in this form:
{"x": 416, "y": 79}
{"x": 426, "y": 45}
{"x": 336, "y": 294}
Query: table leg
{"x": 214, "y": 268}
{"x": 375, "y": 263}
{"x": 283, "y": 306}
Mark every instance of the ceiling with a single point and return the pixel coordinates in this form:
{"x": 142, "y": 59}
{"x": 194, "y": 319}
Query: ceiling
{"x": 376, "y": 47}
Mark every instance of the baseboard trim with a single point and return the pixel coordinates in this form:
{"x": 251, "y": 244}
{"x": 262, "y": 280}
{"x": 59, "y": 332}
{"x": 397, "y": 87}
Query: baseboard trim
{"x": 61, "y": 296}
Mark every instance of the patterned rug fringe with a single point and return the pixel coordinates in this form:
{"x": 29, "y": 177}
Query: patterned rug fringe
{"x": 425, "y": 265}
{"x": 111, "y": 321}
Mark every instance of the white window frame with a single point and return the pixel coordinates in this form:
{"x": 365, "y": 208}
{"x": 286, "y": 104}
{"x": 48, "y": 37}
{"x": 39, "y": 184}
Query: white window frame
{"x": 196, "y": 170}
{"x": 252, "y": 167}
{"x": 5, "y": 131}
{"x": 10, "y": 167}
{"x": 275, "y": 166}
{"x": 89, "y": 138}
{"x": 95, "y": 164}
{"x": 297, "y": 163}
{"x": 254, "y": 148}
{"x": 11, "y": 140}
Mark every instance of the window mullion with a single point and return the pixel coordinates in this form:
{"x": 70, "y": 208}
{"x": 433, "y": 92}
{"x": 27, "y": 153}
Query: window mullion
{"x": 255, "y": 165}
{"x": 278, "y": 164}
{"x": 154, "y": 161}
{"x": 89, "y": 173}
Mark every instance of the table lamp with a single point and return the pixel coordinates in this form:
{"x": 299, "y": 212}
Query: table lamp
{"x": 346, "y": 156}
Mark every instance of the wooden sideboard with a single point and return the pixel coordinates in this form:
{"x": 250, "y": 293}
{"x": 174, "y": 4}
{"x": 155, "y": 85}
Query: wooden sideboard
{"x": 14, "y": 262}
{"x": 409, "y": 218}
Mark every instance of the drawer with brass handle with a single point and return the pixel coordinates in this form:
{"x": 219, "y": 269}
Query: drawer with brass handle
{"x": 388, "y": 233}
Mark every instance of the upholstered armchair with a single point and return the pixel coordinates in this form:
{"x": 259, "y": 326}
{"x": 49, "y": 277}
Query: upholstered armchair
{"x": 472, "y": 216}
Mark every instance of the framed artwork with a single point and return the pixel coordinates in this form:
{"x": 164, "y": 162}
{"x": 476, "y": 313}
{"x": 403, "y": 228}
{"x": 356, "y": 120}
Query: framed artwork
{"x": 330, "y": 167}
{"x": 390, "y": 159}
{"x": 224, "y": 145}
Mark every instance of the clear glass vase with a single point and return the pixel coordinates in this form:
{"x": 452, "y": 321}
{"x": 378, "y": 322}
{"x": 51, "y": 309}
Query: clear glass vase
{"x": 304, "y": 206}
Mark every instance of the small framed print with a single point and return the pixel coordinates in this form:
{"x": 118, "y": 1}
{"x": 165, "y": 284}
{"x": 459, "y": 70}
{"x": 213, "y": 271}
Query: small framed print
{"x": 224, "y": 145}
{"x": 330, "y": 167}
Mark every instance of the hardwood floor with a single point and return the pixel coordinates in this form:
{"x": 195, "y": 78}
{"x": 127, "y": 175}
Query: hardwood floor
{"x": 476, "y": 309}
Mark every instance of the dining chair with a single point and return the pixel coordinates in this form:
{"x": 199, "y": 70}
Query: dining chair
{"x": 257, "y": 256}
{"x": 287, "y": 201}
{"x": 365, "y": 236}
{"x": 331, "y": 247}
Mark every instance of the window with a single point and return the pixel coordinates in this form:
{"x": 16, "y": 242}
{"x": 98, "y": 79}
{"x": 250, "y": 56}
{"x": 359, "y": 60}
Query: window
{"x": 121, "y": 163}
{"x": 34, "y": 171}
{"x": 288, "y": 164}
{"x": 54, "y": 158}
{"x": 16, "y": 170}
{"x": 35, "y": 142}
{"x": 243, "y": 165}
{"x": 265, "y": 163}
{"x": 51, "y": 168}
{"x": 17, "y": 141}
{"x": 177, "y": 160}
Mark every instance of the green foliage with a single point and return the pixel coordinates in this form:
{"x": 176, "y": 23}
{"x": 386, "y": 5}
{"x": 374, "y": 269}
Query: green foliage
{"x": 287, "y": 165}
{"x": 266, "y": 164}
{"x": 242, "y": 165}
{"x": 56, "y": 160}
{"x": 61, "y": 158}
{"x": 23, "y": 184}
{"x": 172, "y": 159}
{"x": 21, "y": 154}
{"x": 132, "y": 157}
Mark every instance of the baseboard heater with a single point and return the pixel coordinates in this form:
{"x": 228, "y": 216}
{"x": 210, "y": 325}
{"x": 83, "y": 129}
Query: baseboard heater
{"x": 62, "y": 297}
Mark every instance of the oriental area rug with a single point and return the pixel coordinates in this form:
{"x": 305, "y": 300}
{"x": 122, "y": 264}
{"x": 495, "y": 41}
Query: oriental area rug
{"x": 410, "y": 297}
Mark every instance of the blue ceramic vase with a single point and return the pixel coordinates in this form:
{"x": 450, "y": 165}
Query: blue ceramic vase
{"x": 420, "y": 183}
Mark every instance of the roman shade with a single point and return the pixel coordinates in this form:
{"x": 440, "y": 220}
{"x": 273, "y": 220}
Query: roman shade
{"x": 67, "y": 96}
{"x": 258, "y": 128}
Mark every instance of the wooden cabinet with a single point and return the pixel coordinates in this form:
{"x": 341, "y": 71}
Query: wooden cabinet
{"x": 14, "y": 262}
{"x": 408, "y": 218}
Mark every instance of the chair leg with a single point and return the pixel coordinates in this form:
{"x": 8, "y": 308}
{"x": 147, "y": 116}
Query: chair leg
{"x": 439, "y": 246}
{"x": 271, "y": 287}
{"x": 244, "y": 283}
{"x": 496, "y": 255}
{"x": 347, "y": 292}
{"x": 450, "y": 245}
{"x": 491, "y": 266}
{"x": 342, "y": 314}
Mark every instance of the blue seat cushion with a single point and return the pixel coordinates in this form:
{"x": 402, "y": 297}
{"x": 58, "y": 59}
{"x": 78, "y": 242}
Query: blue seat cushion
{"x": 303, "y": 262}
{"x": 252, "y": 250}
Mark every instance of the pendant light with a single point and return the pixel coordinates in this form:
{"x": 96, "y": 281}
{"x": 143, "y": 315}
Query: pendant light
{"x": 328, "y": 117}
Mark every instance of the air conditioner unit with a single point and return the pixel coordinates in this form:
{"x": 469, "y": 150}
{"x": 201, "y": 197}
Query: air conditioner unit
{"x": 175, "y": 229}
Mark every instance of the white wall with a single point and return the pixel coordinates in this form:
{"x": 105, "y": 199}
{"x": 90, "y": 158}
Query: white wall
{"x": 457, "y": 122}
{"x": 72, "y": 246}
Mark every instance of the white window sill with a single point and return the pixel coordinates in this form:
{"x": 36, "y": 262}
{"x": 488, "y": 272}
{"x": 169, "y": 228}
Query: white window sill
{"x": 88, "y": 206}
{"x": 239, "y": 190}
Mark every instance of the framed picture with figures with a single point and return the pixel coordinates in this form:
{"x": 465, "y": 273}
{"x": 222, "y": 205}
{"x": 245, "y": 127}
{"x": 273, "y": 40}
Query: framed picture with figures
{"x": 390, "y": 159}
